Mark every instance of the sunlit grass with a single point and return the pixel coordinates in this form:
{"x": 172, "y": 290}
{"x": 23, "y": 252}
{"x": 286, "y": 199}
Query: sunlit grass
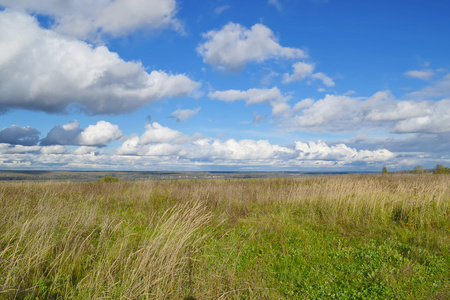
{"x": 333, "y": 237}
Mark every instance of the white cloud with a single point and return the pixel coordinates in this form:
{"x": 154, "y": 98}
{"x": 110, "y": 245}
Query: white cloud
{"x": 304, "y": 70}
{"x": 156, "y": 133}
{"x": 303, "y": 104}
{"x": 54, "y": 149}
{"x": 340, "y": 153}
{"x": 398, "y": 110}
{"x": 86, "y": 19}
{"x": 440, "y": 89}
{"x": 234, "y": 46}
{"x": 301, "y": 71}
{"x": 324, "y": 78}
{"x": 420, "y": 74}
{"x": 381, "y": 111}
{"x": 182, "y": 115}
{"x": 275, "y": 3}
{"x": 129, "y": 147}
{"x": 434, "y": 119}
{"x": 248, "y": 149}
{"x": 271, "y": 96}
{"x": 85, "y": 150}
{"x": 156, "y": 140}
{"x": 41, "y": 70}
{"x": 99, "y": 134}
{"x": 6, "y": 148}
{"x": 330, "y": 113}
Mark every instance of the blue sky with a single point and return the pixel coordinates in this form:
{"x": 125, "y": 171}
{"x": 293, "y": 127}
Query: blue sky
{"x": 288, "y": 85}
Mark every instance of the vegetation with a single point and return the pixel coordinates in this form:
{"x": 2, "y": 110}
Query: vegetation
{"x": 324, "y": 237}
{"x": 384, "y": 171}
{"x": 440, "y": 169}
{"x": 419, "y": 170}
{"x": 108, "y": 179}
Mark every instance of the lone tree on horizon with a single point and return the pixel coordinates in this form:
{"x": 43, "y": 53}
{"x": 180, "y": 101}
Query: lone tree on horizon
{"x": 418, "y": 170}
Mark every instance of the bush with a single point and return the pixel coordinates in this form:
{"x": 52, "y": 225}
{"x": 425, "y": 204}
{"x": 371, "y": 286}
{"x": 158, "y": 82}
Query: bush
{"x": 109, "y": 179}
{"x": 440, "y": 169}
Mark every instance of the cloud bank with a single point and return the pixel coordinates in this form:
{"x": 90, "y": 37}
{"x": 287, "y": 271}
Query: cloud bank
{"x": 16, "y": 135}
{"x": 161, "y": 146}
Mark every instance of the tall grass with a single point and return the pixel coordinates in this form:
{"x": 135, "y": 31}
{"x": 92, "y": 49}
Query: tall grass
{"x": 353, "y": 237}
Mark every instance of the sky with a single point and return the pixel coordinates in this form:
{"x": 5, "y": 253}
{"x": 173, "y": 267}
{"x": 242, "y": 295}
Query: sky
{"x": 224, "y": 85}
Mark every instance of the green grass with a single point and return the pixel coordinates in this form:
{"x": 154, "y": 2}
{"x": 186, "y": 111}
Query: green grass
{"x": 330, "y": 237}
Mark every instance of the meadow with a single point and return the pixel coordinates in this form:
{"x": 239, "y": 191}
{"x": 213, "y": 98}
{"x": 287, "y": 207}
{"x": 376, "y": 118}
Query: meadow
{"x": 323, "y": 237}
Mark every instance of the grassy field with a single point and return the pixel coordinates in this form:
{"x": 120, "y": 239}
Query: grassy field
{"x": 324, "y": 237}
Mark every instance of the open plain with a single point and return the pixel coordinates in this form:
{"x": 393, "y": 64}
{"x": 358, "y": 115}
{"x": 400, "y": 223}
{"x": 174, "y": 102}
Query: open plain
{"x": 325, "y": 237}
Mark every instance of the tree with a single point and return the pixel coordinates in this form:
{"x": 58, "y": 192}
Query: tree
{"x": 418, "y": 170}
{"x": 384, "y": 171}
{"x": 440, "y": 169}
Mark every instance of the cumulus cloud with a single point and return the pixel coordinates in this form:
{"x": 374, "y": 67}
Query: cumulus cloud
{"x": 304, "y": 70}
{"x": 41, "y": 70}
{"x": 301, "y": 71}
{"x": 381, "y": 111}
{"x": 271, "y": 96}
{"x": 330, "y": 113}
{"x": 246, "y": 150}
{"x": 420, "y": 74}
{"x": 86, "y": 19}
{"x": 100, "y": 134}
{"x": 234, "y": 46}
{"x": 16, "y": 135}
{"x": 154, "y": 140}
{"x": 156, "y": 133}
{"x": 340, "y": 153}
{"x": 71, "y": 134}
{"x": 182, "y": 115}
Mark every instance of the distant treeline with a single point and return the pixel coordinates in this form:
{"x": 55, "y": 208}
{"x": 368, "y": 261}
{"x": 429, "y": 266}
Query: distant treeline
{"x": 439, "y": 169}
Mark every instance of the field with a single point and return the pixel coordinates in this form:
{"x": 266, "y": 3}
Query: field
{"x": 322, "y": 237}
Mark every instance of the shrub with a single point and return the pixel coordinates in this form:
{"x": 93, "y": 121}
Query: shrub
{"x": 440, "y": 169}
{"x": 109, "y": 179}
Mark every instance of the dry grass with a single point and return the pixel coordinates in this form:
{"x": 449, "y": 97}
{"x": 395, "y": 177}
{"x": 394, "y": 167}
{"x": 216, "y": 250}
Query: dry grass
{"x": 170, "y": 239}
